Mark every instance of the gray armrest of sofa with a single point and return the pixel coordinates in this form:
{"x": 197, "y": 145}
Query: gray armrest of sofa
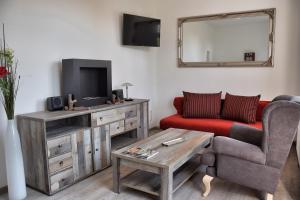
{"x": 246, "y": 134}
{"x": 231, "y": 147}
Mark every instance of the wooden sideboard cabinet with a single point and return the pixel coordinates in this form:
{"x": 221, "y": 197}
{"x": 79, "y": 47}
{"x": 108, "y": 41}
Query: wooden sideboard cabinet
{"x": 61, "y": 148}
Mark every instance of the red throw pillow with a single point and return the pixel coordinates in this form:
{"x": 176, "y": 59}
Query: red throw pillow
{"x": 240, "y": 108}
{"x": 201, "y": 105}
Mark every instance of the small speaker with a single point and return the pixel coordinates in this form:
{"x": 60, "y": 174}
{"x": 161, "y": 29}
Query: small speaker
{"x": 118, "y": 93}
{"x": 55, "y": 103}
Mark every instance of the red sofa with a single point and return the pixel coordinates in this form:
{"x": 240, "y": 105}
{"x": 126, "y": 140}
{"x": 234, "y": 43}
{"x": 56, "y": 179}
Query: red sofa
{"x": 220, "y": 127}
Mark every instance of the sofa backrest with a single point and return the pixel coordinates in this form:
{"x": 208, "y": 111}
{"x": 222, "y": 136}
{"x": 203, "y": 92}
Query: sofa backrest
{"x": 178, "y": 104}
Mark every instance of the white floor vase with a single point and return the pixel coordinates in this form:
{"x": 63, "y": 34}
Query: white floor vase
{"x": 14, "y": 163}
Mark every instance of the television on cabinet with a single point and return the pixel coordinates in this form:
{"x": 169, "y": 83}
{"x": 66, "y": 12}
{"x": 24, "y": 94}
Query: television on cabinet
{"x": 89, "y": 81}
{"x": 141, "y": 31}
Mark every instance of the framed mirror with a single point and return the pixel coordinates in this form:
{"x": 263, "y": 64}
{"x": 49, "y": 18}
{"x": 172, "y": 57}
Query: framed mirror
{"x": 227, "y": 40}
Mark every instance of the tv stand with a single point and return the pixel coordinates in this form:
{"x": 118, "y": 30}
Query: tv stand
{"x": 63, "y": 147}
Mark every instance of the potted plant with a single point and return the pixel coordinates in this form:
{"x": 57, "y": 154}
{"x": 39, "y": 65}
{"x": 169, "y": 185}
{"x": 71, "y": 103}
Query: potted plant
{"x": 9, "y": 84}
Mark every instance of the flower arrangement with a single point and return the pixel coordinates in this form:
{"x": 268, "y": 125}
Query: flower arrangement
{"x": 9, "y": 80}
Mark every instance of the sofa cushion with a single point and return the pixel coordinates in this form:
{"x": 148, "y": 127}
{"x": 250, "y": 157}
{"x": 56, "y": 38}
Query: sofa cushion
{"x": 202, "y": 105}
{"x": 260, "y": 108}
{"x": 240, "y": 108}
{"x": 217, "y": 126}
{"x": 247, "y": 134}
{"x": 178, "y": 104}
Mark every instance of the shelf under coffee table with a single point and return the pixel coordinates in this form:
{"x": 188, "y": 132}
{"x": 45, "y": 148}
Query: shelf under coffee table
{"x": 150, "y": 183}
{"x": 166, "y": 172}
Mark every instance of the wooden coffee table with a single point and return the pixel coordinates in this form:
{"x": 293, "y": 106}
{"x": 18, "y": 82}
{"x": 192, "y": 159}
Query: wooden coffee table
{"x": 163, "y": 174}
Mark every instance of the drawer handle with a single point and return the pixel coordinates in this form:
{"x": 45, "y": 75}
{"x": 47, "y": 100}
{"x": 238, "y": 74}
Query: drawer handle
{"x": 90, "y": 152}
{"x": 97, "y": 149}
{"x": 118, "y": 127}
{"x": 59, "y": 146}
{"x": 101, "y": 118}
{"x": 61, "y": 163}
{"x": 62, "y": 180}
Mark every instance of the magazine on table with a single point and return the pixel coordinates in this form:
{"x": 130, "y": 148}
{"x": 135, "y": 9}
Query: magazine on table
{"x": 142, "y": 153}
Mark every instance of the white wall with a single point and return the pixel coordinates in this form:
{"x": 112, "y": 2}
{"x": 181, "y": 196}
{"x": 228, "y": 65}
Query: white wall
{"x": 283, "y": 78}
{"x": 42, "y": 33}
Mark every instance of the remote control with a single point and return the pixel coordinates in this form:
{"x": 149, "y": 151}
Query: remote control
{"x": 172, "y": 142}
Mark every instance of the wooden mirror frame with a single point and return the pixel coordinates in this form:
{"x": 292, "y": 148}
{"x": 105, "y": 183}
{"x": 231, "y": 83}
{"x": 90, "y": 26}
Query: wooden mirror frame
{"x": 268, "y": 63}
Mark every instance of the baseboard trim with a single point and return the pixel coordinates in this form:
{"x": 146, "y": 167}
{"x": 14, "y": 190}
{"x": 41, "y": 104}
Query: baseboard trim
{"x": 3, "y": 190}
{"x": 154, "y": 128}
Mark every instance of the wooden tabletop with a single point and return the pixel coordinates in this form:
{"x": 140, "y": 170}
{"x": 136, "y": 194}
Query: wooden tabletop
{"x": 50, "y": 116}
{"x": 169, "y": 156}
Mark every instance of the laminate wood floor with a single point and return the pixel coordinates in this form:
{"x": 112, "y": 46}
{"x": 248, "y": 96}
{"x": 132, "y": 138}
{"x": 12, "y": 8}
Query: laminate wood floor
{"x": 99, "y": 187}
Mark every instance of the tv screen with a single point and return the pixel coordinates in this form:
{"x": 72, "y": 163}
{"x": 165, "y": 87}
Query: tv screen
{"x": 141, "y": 31}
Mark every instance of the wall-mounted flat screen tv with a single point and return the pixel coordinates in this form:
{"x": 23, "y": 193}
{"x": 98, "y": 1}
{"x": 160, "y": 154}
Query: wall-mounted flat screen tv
{"x": 141, "y": 31}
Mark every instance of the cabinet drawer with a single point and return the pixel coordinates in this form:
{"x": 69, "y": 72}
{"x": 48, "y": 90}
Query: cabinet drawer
{"x": 105, "y": 117}
{"x": 131, "y": 124}
{"x": 59, "y": 181}
{"x": 130, "y": 111}
{"x": 116, "y": 128}
{"x": 59, "y": 146}
{"x": 60, "y": 163}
